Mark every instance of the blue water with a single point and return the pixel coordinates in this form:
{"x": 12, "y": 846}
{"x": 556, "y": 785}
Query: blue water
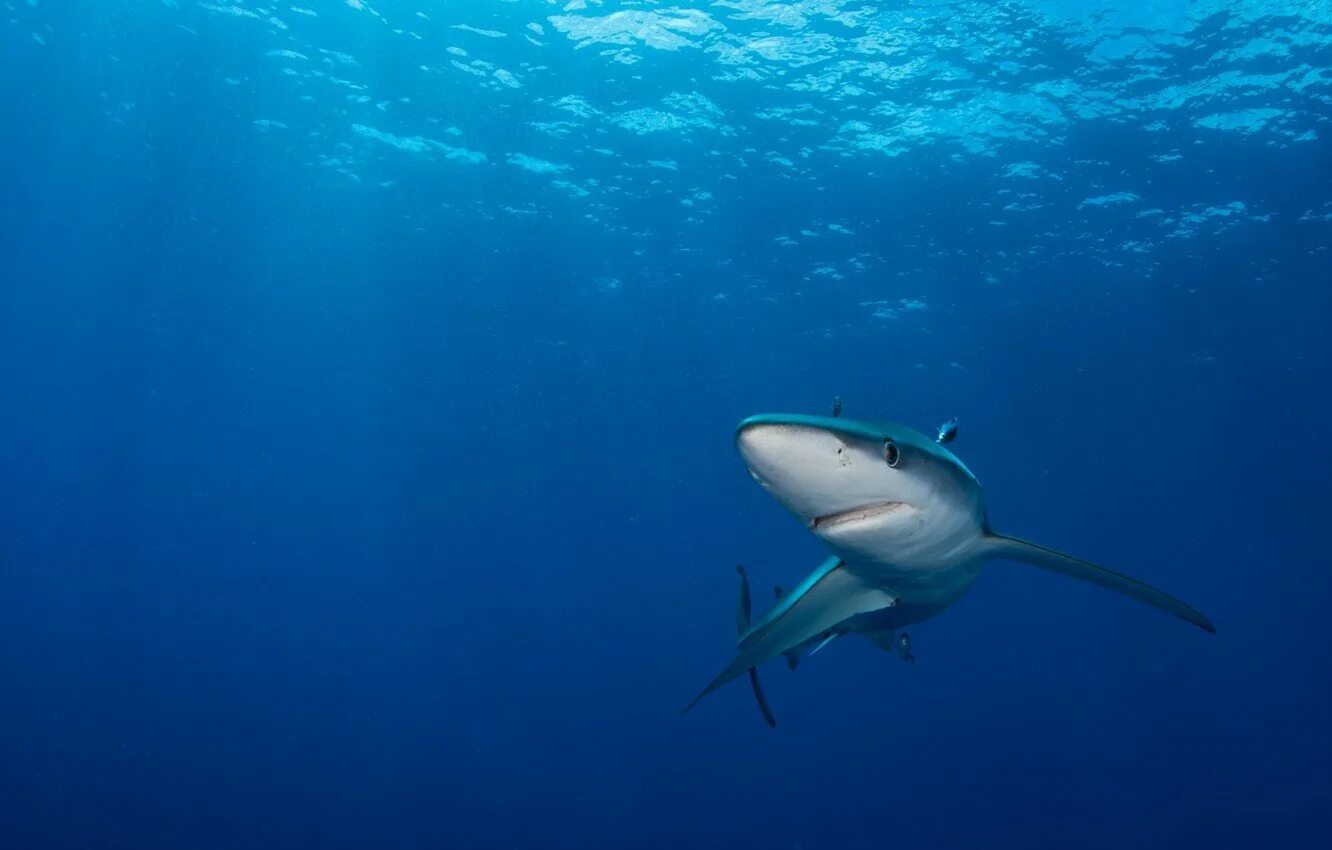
{"x": 369, "y": 370}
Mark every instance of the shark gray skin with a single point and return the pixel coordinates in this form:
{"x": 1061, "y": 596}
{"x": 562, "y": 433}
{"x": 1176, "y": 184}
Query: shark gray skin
{"x": 905, "y": 524}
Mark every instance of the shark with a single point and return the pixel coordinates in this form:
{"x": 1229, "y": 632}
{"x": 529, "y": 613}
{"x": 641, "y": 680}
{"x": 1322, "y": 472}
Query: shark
{"x": 905, "y": 525}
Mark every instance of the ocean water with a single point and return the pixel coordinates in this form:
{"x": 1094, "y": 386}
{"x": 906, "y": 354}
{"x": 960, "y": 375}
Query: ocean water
{"x": 369, "y": 371}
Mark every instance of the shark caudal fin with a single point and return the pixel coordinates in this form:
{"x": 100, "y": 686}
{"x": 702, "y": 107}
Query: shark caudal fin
{"x": 742, "y": 626}
{"x": 1013, "y": 549}
{"x": 793, "y": 656}
{"x": 825, "y": 598}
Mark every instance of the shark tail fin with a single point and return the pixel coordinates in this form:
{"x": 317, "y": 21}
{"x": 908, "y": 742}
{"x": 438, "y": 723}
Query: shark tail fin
{"x": 761, "y": 699}
{"x": 792, "y": 657}
{"x": 742, "y": 626}
{"x": 1014, "y": 549}
{"x": 742, "y": 610}
{"x": 825, "y": 598}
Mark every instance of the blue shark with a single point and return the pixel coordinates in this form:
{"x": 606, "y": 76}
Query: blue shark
{"x": 906, "y": 528}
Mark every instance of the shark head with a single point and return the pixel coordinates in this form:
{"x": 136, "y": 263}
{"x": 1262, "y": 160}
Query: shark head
{"x": 905, "y": 521}
{"x": 865, "y": 488}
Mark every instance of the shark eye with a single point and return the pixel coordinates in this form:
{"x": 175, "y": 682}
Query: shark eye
{"x": 891, "y": 453}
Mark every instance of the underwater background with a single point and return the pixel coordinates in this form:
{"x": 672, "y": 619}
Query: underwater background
{"x": 369, "y": 371}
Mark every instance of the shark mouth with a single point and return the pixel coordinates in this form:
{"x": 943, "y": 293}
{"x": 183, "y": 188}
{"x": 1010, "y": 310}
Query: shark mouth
{"x": 864, "y": 512}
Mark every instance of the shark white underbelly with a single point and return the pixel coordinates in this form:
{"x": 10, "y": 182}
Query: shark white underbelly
{"x": 905, "y": 524}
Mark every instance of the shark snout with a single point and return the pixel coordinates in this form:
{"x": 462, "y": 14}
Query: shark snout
{"x": 774, "y": 453}
{"x": 814, "y": 470}
{"x": 761, "y": 448}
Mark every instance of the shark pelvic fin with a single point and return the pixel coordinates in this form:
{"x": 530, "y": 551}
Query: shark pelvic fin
{"x": 885, "y": 639}
{"x": 1013, "y": 549}
{"x": 825, "y": 598}
{"x": 832, "y": 636}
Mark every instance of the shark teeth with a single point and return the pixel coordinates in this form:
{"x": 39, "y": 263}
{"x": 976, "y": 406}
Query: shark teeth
{"x": 856, "y": 514}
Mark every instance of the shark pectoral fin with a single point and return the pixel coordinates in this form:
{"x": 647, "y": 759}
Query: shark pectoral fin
{"x": 827, "y": 597}
{"x": 1013, "y": 549}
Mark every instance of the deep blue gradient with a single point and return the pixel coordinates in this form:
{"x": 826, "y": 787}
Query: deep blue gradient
{"x": 391, "y": 502}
